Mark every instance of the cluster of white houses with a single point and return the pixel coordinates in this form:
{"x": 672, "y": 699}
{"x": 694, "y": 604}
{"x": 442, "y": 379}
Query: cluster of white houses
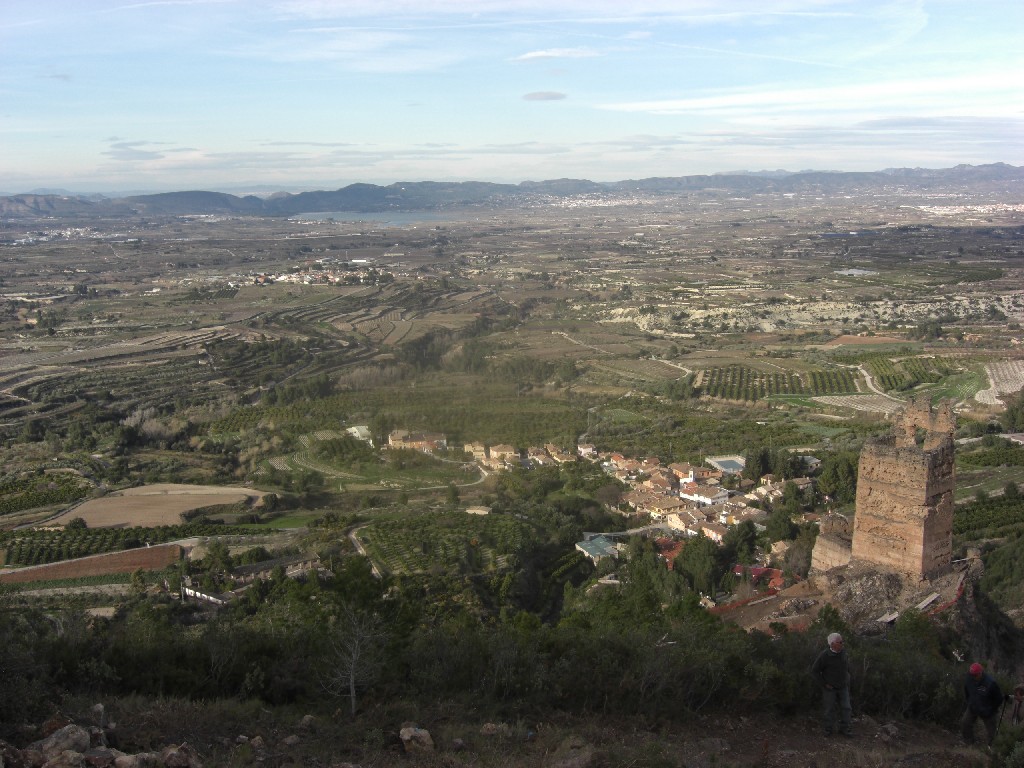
{"x": 685, "y": 498}
{"x": 356, "y": 272}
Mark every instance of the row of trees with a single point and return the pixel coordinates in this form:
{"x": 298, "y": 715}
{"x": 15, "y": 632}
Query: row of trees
{"x": 37, "y": 547}
{"x": 738, "y": 382}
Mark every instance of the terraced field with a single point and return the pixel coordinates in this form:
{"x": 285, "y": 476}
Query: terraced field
{"x": 869, "y": 403}
{"x": 1005, "y": 377}
{"x": 452, "y": 542}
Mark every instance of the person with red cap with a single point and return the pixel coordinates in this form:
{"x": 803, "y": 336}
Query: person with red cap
{"x": 983, "y": 698}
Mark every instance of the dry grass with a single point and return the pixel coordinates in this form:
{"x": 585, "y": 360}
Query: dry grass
{"x": 461, "y": 741}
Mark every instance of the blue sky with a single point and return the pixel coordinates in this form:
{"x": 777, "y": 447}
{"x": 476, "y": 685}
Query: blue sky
{"x": 100, "y": 95}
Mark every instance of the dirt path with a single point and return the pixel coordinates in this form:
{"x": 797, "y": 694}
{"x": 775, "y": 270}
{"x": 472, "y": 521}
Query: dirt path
{"x": 874, "y": 387}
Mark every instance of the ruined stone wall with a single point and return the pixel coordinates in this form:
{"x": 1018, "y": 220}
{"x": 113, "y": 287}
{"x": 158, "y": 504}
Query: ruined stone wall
{"x": 904, "y": 513}
{"x": 830, "y": 551}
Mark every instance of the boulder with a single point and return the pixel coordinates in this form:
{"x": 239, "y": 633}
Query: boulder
{"x": 100, "y": 757}
{"x": 495, "y": 729}
{"x": 573, "y": 752}
{"x": 307, "y": 723}
{"x": 889, "y": 732}
{"x": 69, "y": 758}
{"x": 53, "y": 724}
{"x": 290, "y": 741}
{"x": 70, "y": 738}
{"x": 141, "y": 760}
{"x": 182, "y": 756}
{"x": 416, "y": 740}
{"x": 10, "y": 756}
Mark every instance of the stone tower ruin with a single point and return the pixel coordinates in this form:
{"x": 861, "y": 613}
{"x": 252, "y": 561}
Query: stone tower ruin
{"x": 905, "y": 484}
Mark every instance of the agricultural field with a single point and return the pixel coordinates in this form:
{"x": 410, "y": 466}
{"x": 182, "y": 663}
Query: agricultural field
{"x": 224, "y": 352}
{"x": 39, "y": 547}
{"x": 738, "y": 382}
{"x": 868, "y": 403}
{"x": 392, "y": 470}
{"x": 1004, "y": 377}
{"x": 448, "y": 542}
{"x": 31, "y": 490}
{"x": 153, "y": 505}
{"x": 901, "y": 374}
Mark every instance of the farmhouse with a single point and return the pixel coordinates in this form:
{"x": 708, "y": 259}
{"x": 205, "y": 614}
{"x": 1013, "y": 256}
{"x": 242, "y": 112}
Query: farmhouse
{"x": 477, "y": 450}
{"x": 361, "y": 433}
{"x": 714, "y": 531}
{"x": 427, "y": 442}
{"x": 703, "y": 494}
{"x": 662, "y": 506}
{"x": 598, "y": 548}
{"x": 688, "y": 521}
{"x": 689, "y": 473}
{"x": 661, "y": 481}
{"x": 503, "y": 454}
{"x": 292, "y": 567}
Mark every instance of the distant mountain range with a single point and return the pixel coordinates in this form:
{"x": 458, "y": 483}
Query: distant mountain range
{"x": 433, "y": 195}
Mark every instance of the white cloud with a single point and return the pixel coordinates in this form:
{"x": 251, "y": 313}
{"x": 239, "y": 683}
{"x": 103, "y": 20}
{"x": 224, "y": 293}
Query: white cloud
{"x": 558, "y": 53}
{"x": 980, "y": 93}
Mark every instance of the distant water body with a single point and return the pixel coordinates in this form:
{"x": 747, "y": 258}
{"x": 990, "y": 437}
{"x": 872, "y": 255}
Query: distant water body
{"x": 392, "y": 218}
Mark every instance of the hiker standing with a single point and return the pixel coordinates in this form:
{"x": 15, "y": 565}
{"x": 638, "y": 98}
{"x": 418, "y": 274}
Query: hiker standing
{"x": 832, "y": 670}
{"x": 983, "y": 698}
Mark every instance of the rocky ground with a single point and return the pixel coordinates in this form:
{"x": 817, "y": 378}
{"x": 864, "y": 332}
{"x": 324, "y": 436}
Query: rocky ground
{"x": 863, "y": 594}
{"x": 334, "y": 742}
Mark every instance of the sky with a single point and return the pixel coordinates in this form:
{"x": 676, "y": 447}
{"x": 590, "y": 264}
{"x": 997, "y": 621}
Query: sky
{"x": 257, "y": 95}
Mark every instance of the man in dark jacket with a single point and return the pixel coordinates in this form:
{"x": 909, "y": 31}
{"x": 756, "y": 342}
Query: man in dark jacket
{"x": 983, "y": 699}
{"x": 832, "y": 670}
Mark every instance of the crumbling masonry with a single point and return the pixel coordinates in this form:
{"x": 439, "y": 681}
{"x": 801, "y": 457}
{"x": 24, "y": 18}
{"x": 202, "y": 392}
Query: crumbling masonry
{"x": 905, "y": 484}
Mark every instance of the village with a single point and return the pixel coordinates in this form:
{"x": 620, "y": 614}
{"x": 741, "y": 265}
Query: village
{"x": 677, "y": 500}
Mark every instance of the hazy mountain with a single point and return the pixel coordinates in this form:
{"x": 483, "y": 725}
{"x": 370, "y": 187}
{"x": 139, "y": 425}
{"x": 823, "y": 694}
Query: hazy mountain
{"x": 434, "y": 195}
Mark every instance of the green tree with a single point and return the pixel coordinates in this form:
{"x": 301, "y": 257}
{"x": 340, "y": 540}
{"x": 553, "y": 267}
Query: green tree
{"x": 838, "y": 479}
{"x": 779, "y": 526}
{"x": 758, "y": 463}
{"x": 1013, "y": 417}
{"x": 798, "y": 556}
{"x": 739, "y": 544}
{"x": 699, "y": 564}
{"x": 218, "y": 558}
